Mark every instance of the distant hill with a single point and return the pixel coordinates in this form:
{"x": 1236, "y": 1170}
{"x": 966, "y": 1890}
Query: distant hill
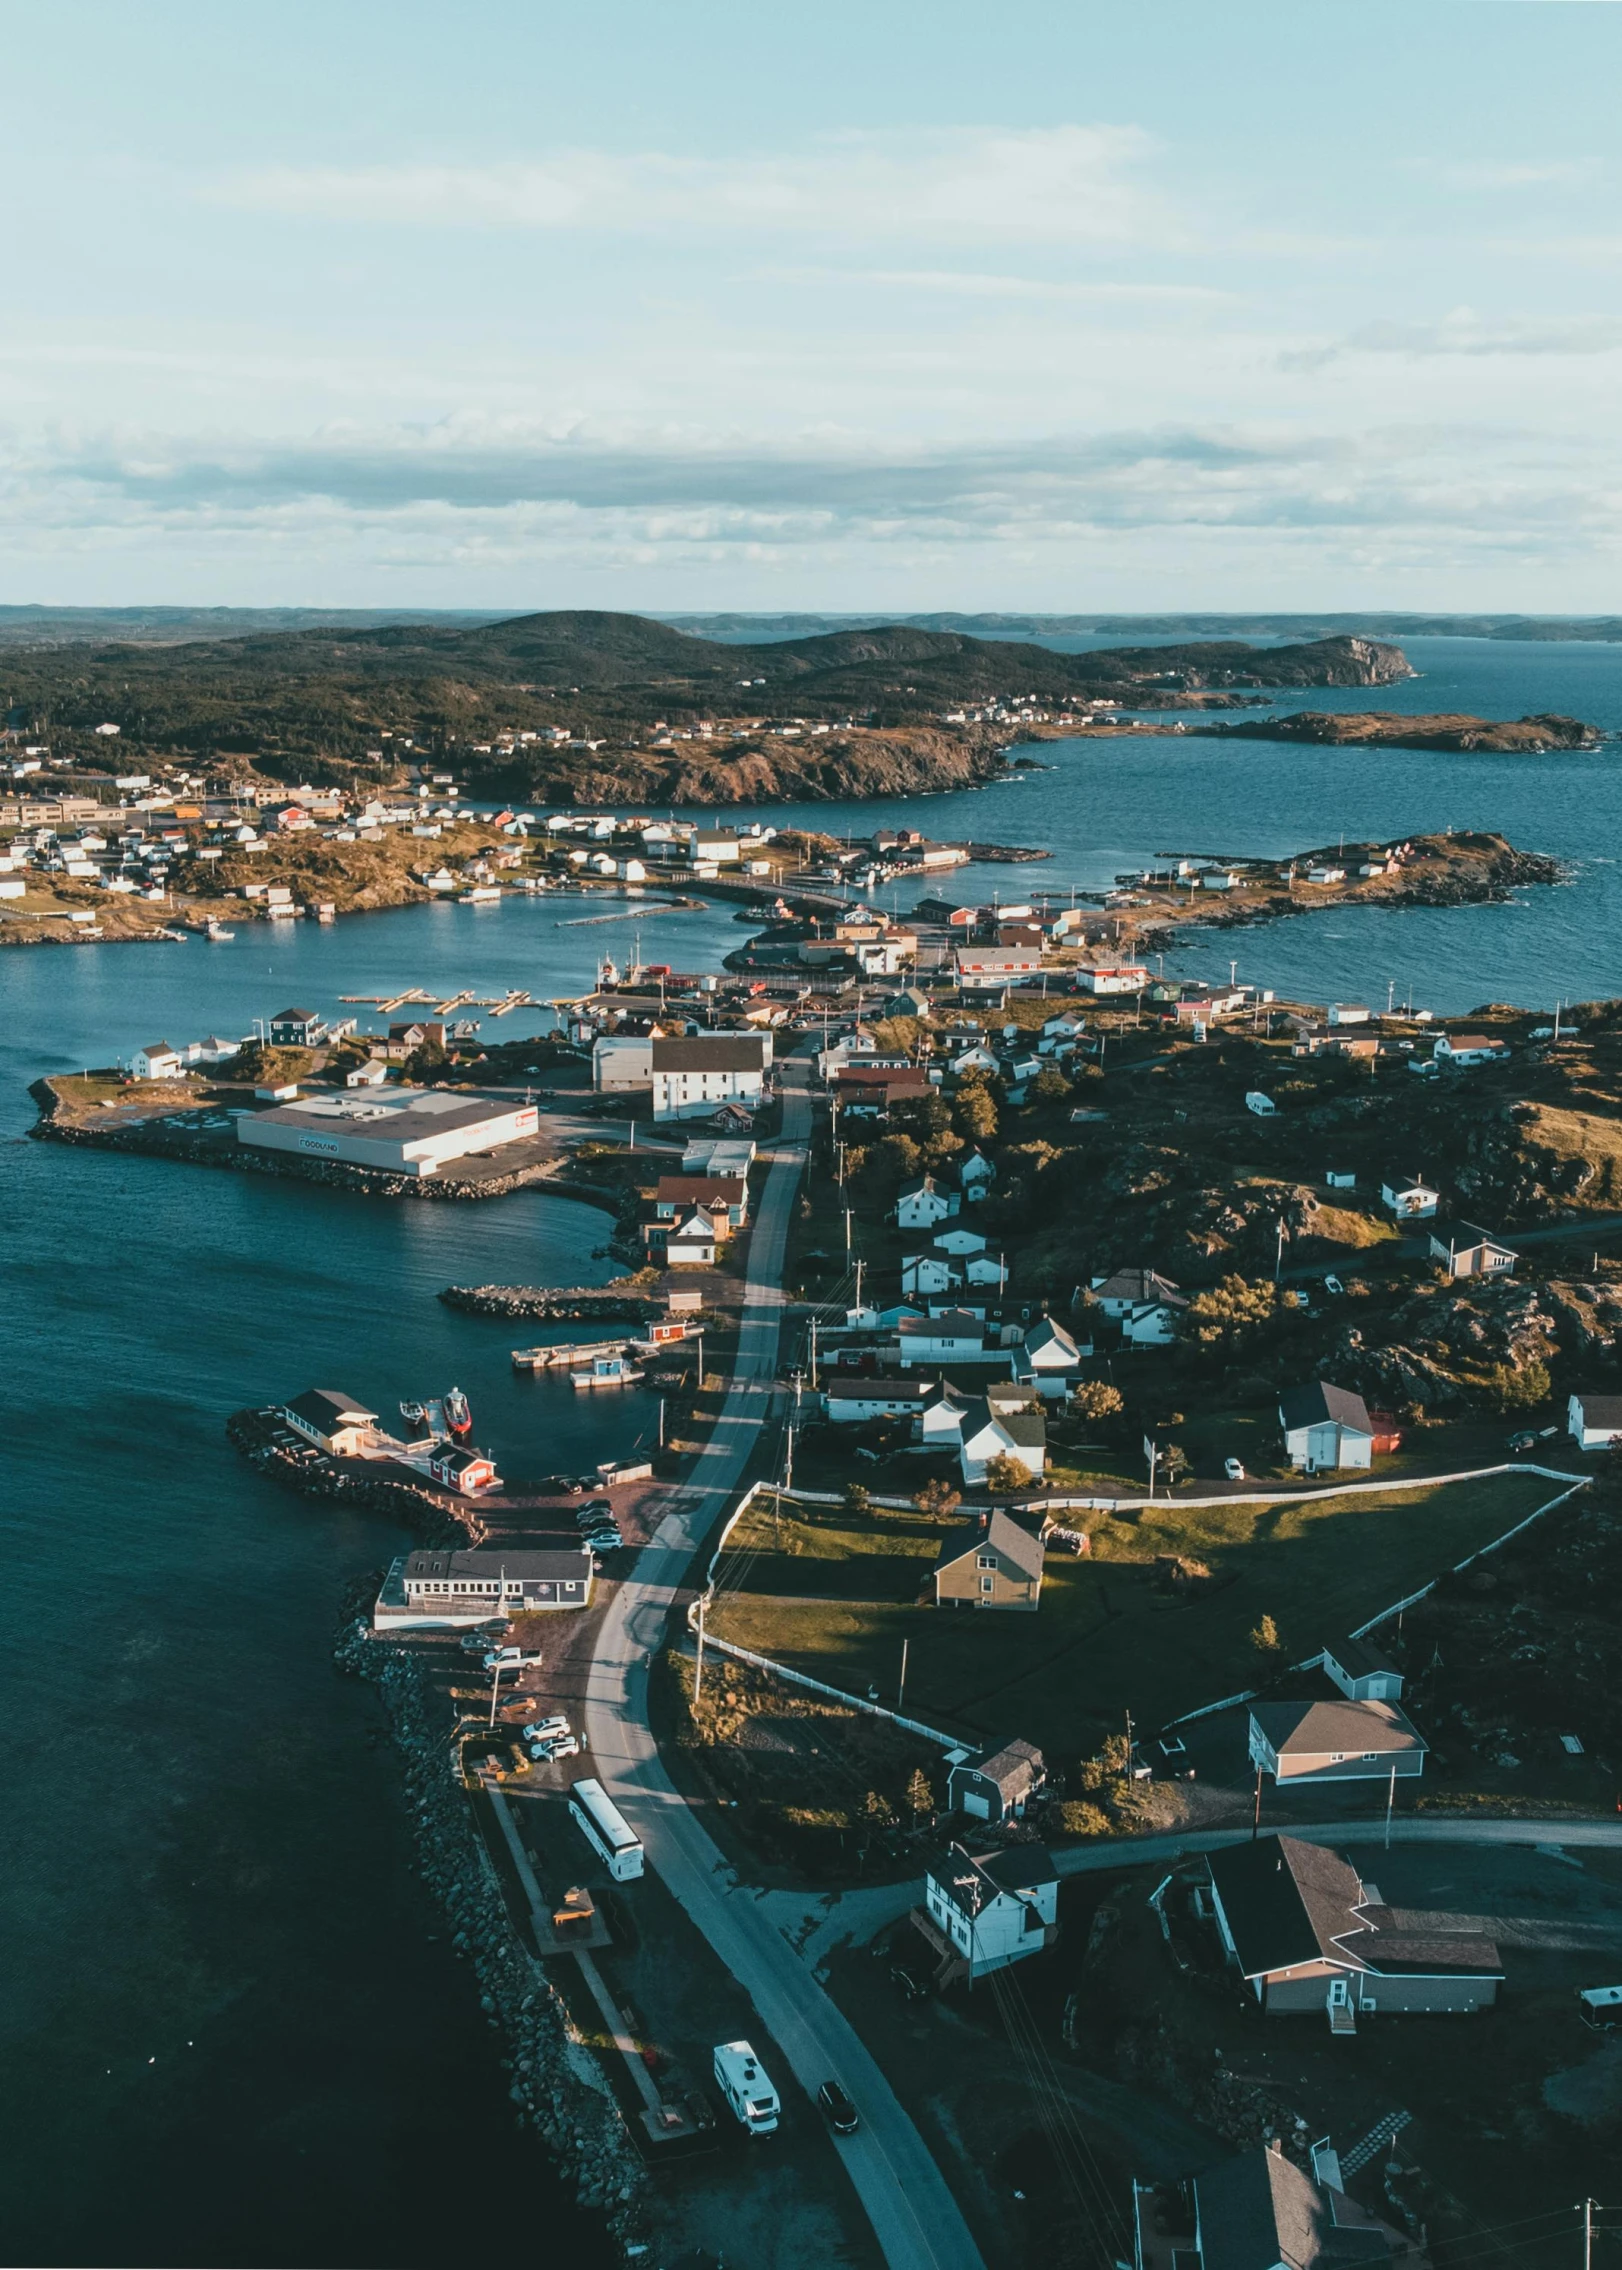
{"x": 335, "y": 694}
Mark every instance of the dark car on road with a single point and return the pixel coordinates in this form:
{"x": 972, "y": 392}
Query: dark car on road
{"x": 912, "y": 1987}
{"x": 838, "y": 2110}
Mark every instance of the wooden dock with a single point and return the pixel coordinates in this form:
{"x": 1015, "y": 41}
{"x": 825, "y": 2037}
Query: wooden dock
{"x": 562, "y": 1355}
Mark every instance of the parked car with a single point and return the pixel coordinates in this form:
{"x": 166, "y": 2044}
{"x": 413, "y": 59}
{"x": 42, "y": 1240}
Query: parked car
{"x": 912, "y": 1987}
{"x": 837, "y": 2108}
{"x": 548, "y": 1729}
{"x": 511, "y": 1658}
{"x": 1334, "y": 1285}
{"x": 560, "y": 1486}
{"x": 605, "y": 1541}
{"x": 1234, "y": 1469}
{"x": 599, "y": 1505}
{"x": 561, "y": 1746}
{"x": 1525, "y": 1440}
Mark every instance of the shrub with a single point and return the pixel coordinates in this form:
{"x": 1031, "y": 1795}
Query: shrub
{"x": 1075, "y": 1817}
{"x": 1005, "y": 1474}
{"x": 938, "y": 1500}
{"x": 1097, "y": 1399}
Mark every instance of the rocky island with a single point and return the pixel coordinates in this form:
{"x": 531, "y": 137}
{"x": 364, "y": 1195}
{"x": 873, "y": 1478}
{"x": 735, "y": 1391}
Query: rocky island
{"x": 1340, "y": 729}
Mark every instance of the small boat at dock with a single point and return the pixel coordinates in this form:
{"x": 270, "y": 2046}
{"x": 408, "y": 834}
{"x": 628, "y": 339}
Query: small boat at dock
{"x": 606, "y": 1371}
{"x": 458, "y": 1415}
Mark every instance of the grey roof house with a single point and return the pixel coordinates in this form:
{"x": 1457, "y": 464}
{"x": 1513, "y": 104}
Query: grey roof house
{"x": 998, "y": 1785}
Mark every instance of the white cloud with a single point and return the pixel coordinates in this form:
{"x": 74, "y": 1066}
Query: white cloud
{"x": 966, "y": 283}
{"x": 1060, "y": 182}
{"x": 1463, "y": 332}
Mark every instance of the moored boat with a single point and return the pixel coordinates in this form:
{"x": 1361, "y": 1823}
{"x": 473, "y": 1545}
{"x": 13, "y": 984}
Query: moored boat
{"x": 458, "y": 1415}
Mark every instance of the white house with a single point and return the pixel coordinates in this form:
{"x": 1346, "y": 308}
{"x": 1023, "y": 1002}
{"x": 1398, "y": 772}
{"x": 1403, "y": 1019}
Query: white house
{"x": 692, "y": 1240}
{"x": 1348, "y": 1013}
{"x": 1409, "y": 1198}
{"x": 1325, "y": 1427}
{"x": 851, "y": 1398}
{"x": 622, "y": 1060}
{"x": 1050, "y": 1356}
{"x": 158, "y": 1062}
{"x": 1146, "y": 1305}
{"x": 922, "y": 1203}
{"x": 941, "y": 1415}
{"x": 1062, "y": 1027}
{"x": 1362, "y": 1671}
{"x": 693, "y": 1075}
{"x": 975, "y": 1058}
{"x": 1120, "y": 977}
{"x": 992, "y": 1910}
{"x": 958, "y": 1241}
{"x": 1262, "y": 1105}
{"x": 1594, "y": 1422}
{"x": 997, "y": 963}
{"x": 952, "y": 1337}
{"x": 1470, "y": 1048}
{"x": 989, "y": 1433}
{"x": 985, "y": 1269}
{"x": 975, "y": 1176}
{"x": 928, "y": 1272}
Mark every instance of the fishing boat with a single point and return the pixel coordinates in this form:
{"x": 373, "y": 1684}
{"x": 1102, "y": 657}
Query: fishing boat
{"x": 217, "y": 934}
{"x": 458, "y": 1416}
{"x": 415, "y": 1416}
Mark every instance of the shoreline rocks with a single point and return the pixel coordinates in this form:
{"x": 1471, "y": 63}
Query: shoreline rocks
{"x": 557, "y": 2088}
{"x": 554, "y": 1304}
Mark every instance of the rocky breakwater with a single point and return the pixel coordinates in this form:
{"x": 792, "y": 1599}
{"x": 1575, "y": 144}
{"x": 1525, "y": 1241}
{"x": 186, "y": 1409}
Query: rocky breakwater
{"x": 557, "y": 2088}
{"x": 1332, "y": 729}
{"x": 554, "y": 1304}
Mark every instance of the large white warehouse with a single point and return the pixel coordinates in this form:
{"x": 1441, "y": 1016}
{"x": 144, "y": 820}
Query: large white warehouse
{"x": 401, "y": 1130}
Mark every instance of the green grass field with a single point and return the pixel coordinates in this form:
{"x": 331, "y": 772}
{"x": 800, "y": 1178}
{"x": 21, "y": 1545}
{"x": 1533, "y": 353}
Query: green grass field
{"x": 836, "y": 1597}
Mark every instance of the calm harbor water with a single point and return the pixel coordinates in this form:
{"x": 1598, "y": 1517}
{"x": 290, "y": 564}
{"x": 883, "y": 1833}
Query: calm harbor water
{"x": 233, "y": 2031}
{"x": 231, "y": 2027}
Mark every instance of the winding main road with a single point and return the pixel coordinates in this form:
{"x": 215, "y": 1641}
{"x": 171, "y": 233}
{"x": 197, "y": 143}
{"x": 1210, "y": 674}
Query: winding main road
{"x": 915, "y": 2218}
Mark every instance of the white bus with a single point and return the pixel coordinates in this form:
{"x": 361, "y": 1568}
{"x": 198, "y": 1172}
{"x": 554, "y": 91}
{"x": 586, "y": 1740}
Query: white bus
{"x": 606, "y": 1830}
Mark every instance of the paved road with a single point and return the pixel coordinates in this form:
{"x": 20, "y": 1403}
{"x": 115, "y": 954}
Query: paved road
{"x": 818, "y": 1923}
{"x": 914, "y": 2216}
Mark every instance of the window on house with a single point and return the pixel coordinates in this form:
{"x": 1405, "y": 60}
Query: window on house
{"x": 1337, "y": 1757}
{"x": 1369, "y": 1756}
{"x": 986, "y": 1561}
{"x": 988, "y": 1584}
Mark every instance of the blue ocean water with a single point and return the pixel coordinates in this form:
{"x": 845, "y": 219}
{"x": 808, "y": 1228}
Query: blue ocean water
{"x": 231, "y": 2030}
{"x": 1104, "y": 807}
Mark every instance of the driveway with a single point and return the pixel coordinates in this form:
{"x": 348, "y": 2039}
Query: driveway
{"x": 914, "y": 2216}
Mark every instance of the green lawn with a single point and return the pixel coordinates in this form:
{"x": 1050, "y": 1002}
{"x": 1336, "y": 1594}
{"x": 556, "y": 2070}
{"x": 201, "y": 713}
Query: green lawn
{"x": 834, "y": 1597}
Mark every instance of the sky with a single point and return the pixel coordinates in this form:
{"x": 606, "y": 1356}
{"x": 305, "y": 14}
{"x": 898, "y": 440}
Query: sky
{"x": 1059, "y": 306}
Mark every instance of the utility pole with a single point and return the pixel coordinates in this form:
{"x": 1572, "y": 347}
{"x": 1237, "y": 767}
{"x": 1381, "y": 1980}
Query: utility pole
{"x": 813, "y": 1355}
{"x": 495, "y": 1689}
{"x": 901, "y": 1686}
{"x": 1256, "y": 1809}
{"x": 861, "y": 1265}
{"x": 847, "y": 1233}
{"x": 698, "y": 1675}
{"x": 1390, "y": 1806}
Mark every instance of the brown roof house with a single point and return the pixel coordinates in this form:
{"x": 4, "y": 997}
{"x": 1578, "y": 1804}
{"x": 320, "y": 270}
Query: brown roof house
{"x": 1307, "y": 1743}
{"x": 989, "y": 1563}
{"x": 1260, "y": 2211}
{"x": 1307, "y": 1935}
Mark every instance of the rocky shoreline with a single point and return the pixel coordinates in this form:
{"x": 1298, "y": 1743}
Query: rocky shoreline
{"x": 557, "y": 2088}
{"x": 553, "y": 1304}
